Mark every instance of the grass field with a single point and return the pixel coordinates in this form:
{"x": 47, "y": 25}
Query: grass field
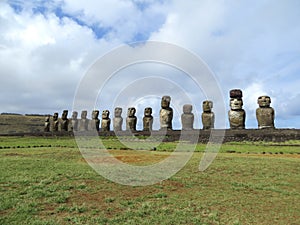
{"x": 47, "y": 181}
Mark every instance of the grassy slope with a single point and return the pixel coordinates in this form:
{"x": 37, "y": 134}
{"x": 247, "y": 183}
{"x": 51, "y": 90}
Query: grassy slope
{"x": 43, "y": 184}
{"x": 19, "y": 123}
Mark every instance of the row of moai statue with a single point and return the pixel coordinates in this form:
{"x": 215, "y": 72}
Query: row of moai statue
{"x": 63, "y": 123}
{"x": 237, "y": 115}
{"x": 166, "y": 117}
{"x": 83, "y": 124}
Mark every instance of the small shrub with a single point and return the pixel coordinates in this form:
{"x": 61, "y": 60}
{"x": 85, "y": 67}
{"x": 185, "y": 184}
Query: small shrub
{"x": 160, "y": 195}
{"x": 110, "y": 200}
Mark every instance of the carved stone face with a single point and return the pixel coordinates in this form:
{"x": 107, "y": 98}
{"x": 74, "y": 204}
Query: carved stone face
{"x": 264, "y": 101}
{"x": 187, "y": 109}
{"x": 74, "y": 115}
{"x": 47, "y": 118}
{"x": 236, "y": 104}
{"x": 64, "y": 114}
{"x": 131, "y": 112}
{"x": 207, "y": 106}
{"x": 118, "y": 112}
{"x": 105, "y": 114}
{"x": 83, "y": 114}
{"x": 148, "y": 111}
{"x": 95, "y": 114}
{"x": 165, "y": 102}
{"x": 55, "y": 116}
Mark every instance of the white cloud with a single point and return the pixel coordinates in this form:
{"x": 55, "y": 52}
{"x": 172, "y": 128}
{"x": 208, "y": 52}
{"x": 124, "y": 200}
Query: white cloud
{"x": 43, "y": 58}
{"x": 251, "y": 46}
{"x": 123, "y": 19}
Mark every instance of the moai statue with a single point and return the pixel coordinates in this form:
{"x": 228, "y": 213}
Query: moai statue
{"x": 131, "y": 119}
{"x": 166, "y": 113}
{"x": 55, "y": 122}
{"x": 84, "y": 122}
{"x": 94, "y": 123}
{"x": 105, "y": 123}
{"x": 74, "y": 121}
{"x": 236, "y": 114}
{"x": 47, "y": 123}
{"x": 187, "y": 118}
{"x": 118, "y": 120}
{"x": 265, "y": 114}
{"x": 148, "y": 119}
{"x": 208, "y": 117}
{"x": 64, "y": 121}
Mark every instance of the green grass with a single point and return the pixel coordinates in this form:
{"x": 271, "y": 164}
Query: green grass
{"x": 126, "y": 143}
{"x": 44, "y": 184}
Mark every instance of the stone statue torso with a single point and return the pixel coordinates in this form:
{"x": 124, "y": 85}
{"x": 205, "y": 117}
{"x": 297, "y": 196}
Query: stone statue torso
{"x": 187, "y": 121}
{"x": 166, "y": 116}
{"x": 237, "y": 119}
{"x": 118, "y": 121}
{"x": 208, "y": 120}
{"x": 105, "y": 124}
{"x": 131, "y": 123}
{"x": 265, "y": 117}
{"x": 147, "y": 123}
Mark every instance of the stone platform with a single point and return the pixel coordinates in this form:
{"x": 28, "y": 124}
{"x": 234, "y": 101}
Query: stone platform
{"x": 203, "y": 136}
{"x": 200, "y": 136}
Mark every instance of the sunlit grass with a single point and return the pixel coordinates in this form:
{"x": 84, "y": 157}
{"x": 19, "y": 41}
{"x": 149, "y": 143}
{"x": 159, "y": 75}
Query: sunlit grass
{"x": 43, "y": 184}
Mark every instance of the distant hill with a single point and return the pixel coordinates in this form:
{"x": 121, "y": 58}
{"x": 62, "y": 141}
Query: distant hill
{"x": 16, "y": 123}
{"x": 14, "y": 114}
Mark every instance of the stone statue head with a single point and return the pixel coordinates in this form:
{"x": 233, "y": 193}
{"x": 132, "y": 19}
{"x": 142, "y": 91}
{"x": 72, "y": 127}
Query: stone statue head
{"x": 118, "y": 112}
{"x": 74, "y": 115}
{"x": 207, "y": 106}
{"x": 55, "y": 116}
{"x": 105, "y": 114}
{"x": 264, "y": 101}
{"x": 47, "y": 118}
{"x": 187, "y": 108}
{"x": 95, "y": 114}
{"x": 64, "y": 114}
{"x": 236, "y": 104}
{"x": 131, "y": 112}
{"x": 148, "y": 111}
{"x": 165, "y": 102}
{"x": 83, "y": 114}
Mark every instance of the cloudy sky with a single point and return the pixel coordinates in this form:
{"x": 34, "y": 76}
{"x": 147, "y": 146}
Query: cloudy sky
{"x": 47, "y": 47}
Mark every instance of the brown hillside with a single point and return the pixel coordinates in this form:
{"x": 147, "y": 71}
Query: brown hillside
{"x": 10, "y": 124}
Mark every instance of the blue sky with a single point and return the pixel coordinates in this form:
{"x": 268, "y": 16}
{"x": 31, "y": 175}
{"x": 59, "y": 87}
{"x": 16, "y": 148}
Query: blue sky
{"x": 46, "y": 47}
